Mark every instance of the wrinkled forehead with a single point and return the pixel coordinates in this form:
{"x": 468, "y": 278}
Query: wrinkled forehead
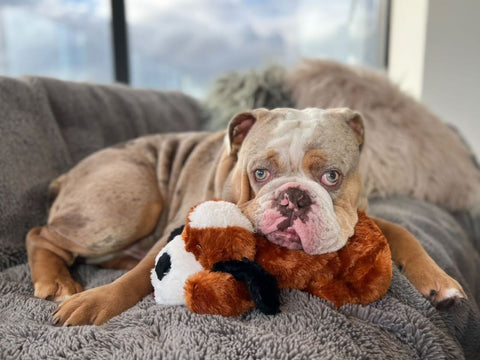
{"x": 293, "y": 133}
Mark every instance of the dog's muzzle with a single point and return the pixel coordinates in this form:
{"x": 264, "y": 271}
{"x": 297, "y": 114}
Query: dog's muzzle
{"x": 298, "y": 215}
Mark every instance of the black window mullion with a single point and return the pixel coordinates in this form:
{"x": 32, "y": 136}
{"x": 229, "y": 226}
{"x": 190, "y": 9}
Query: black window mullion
{"x": 120, "y": 42}
{"x": 387, "y": 32}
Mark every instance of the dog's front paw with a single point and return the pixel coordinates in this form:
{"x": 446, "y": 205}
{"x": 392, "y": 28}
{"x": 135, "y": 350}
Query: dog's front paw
{"x": 435, "y": 284}
{"x": 91, "y": 307}
{"x": 56, "y": 289}
{"x": 444, "y": 292}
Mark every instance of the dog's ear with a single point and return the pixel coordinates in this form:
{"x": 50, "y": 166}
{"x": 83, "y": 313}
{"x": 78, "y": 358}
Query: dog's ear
{"x": 238, "y": 129}
{"x": 355, "y": 121}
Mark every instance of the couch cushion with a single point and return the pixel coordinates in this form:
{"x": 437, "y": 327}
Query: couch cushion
{"x": 48, "y": 125}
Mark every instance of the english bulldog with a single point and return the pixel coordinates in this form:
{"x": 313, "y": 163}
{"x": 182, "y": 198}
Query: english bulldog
{"x": 294, "y": 174}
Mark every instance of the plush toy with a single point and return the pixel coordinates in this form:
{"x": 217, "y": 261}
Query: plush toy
{"x": 216, "y": 264}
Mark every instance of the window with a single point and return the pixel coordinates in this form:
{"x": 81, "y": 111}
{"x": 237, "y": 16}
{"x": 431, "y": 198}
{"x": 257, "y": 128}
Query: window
{"x": 186, "y": 44}
{"x": 67, "y": 39}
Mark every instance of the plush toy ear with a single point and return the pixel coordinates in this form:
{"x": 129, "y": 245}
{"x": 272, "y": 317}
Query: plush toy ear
{"x": 175, "y": 232}
{"x": 355, "y": 121}
{"x": 238, "y": 129}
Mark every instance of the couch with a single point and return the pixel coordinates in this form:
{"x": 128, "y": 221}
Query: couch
{"x": 48, "y": 125}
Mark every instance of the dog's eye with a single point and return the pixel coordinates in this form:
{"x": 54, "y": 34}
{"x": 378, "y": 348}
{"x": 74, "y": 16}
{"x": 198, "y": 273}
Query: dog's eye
{"x": 331, "y": 178}
{"x": 261, "y": 175}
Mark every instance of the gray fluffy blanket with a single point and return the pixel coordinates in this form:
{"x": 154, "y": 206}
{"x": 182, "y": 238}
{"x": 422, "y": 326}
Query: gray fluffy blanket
{"x": 48, "y": 125}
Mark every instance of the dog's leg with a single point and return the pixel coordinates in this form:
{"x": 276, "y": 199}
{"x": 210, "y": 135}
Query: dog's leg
{"x": 129, "y": 257}
{"x": 122, "y": 262}
{"x": 105, "y": 204}
{"x": 100, "y": 304}
{"x": 49, "y": 268}
{"x": 422, "y": 271}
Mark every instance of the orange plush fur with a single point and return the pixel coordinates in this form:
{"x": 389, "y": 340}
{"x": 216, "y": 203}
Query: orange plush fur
{"x": 359, "y": 273}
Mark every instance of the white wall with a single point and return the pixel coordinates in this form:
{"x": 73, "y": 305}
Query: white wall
{"x": 452, "y": 65}
{"x": 435, "y": 56}
{"x": 407, "y": 44}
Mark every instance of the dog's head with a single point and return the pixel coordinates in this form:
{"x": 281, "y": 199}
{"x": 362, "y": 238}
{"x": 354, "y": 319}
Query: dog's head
{"x": 295, "y": 174}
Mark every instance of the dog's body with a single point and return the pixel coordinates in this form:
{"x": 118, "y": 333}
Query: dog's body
{"x": 107, "y": 207}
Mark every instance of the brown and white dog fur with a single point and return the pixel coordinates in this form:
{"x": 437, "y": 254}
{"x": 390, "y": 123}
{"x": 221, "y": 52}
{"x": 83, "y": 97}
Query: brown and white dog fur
{"x": 278, "y": 166}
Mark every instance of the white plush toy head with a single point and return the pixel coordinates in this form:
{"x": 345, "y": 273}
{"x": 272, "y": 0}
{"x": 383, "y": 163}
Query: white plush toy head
{"x": 173, "y": 265}
{"x": 209, "y": 230}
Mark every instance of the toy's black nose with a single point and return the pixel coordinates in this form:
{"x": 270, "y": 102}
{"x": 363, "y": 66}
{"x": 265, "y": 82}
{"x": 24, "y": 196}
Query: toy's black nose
{"x": 294, "y": 198}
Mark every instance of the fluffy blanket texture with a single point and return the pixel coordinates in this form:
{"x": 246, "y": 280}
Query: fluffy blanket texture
{"x": 48, "y": 125}
{"x": 402, "y": 325}
{"x": 235, "y": 92}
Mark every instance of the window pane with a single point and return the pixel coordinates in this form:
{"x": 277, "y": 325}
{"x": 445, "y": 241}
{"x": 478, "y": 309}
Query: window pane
{"x": 186, "y": 44}
{"x": 68, "y": 39}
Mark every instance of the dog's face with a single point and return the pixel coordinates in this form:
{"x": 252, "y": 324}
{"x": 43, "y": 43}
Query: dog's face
{"x": 295, "y": 174}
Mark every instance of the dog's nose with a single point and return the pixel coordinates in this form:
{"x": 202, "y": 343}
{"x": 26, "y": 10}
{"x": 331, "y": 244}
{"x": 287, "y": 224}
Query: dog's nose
{"x": 294, "y": 198}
